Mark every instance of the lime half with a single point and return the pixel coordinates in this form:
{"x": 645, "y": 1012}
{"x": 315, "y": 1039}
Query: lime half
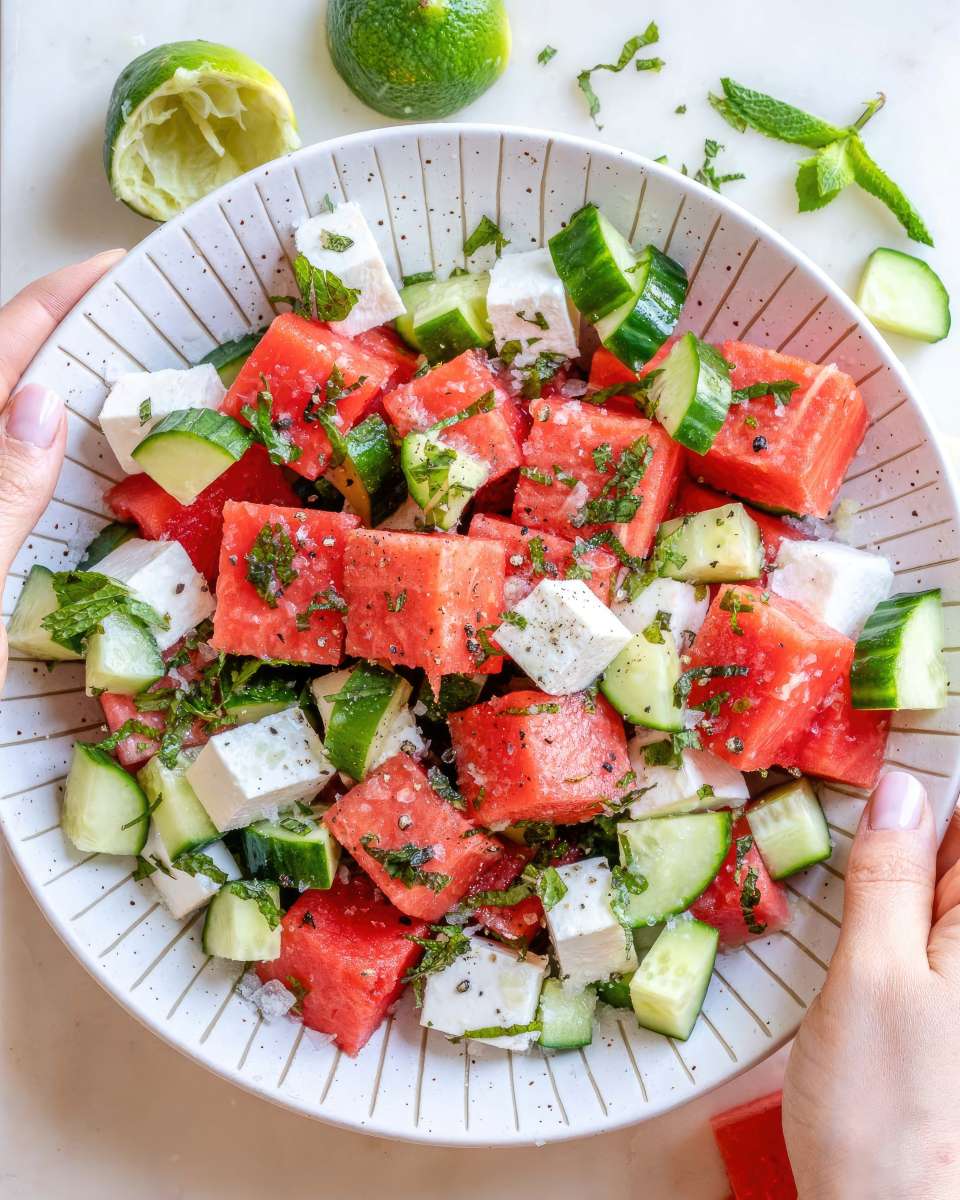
{"x": 185, "y": 118}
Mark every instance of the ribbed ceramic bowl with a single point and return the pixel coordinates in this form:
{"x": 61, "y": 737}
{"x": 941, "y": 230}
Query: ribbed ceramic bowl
{"x": 206, "y": 277}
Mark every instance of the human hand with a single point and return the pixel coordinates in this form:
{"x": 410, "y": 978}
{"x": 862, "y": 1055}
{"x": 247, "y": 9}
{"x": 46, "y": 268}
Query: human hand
{"x": 33, "y": 425}
{"x": 872, "y": 1091}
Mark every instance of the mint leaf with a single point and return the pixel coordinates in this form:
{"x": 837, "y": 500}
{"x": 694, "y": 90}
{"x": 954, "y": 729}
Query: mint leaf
{"x": 545, "y": 55}
{"x": 487, "y": 233}
{"x": 873, "y": 179}
{"x": 270, "y": 563}
{"x": 707, "y": 174}
{"x": 84, "y": 598}
{"x": 323, "y": 295}
{"x": 824, "y": 176}
{"x": 630, "y": 47}
{"x": 742, "y": 107}
{"x": 269, "y": 433}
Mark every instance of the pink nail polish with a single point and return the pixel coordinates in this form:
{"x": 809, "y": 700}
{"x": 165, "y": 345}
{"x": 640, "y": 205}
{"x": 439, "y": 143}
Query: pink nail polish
{"x": 34, "y": 416}
{"x": 897, "y": 803}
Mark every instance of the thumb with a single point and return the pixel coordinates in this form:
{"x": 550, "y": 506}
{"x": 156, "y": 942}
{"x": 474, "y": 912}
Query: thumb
{"x": 32, "y": 440}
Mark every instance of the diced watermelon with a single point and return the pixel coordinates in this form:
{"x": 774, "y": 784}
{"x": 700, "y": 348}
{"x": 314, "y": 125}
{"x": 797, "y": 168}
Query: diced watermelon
{"x": 606, "y": 370}
{"x": 198, "y": 527}
{"x": 515, "y": 922}
{"x": 396, "y": 808}
{"x": 791, "y": 456}
{"x": 694, "y": 498}
{"x": 750, "y": 1141}
{"x": 554, "y": 560}
{"x": 419, "y": 599}
{"x": 388, "y": 345}
{"x": 494, "y": 437}
{"x": 564, "y": 436}
{"x": 245, "y": 622}
{"x": 346, "y": 950}
{"x": 297, "y": 357}
{"x": 743, "y": 902}
{"x": 841, "y": 742}
{"x": 530, "y": 756}
{"x": 792, "y": 662}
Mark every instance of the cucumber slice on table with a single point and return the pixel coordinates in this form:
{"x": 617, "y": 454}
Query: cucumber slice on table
{"x": 190, "y": 448}
{"x": 905, "y": 295}
{"x": 636, "y": 330}
{"x": 898, "y": 662}
{"x": 365, "y": 706}
{"x": 229, "y": 357}
{"x": 104, "y": 808}
{"x": 566, "y": 1018}
{"x": 441, "y": 480}
{"x": 639, "y": 683}
{"x": 692, "y": 393}
{"x": 25, "y": 631}
{"x": 718, "y": 545}
{"x": 678, "y": 857}
{"x": 789, "y": 828}
{"x": 122, "y": 657}
{"x": 443, "y": 319}
{"x": 595, "y": 262}
{"x": 369, "y": 476}
{"x": 296, "y": 849}
{"x": 179, "y": 818}
{"x": 669, "y": 986}
{"x": 107, "y": 540}
{"x": 236, "y": 927}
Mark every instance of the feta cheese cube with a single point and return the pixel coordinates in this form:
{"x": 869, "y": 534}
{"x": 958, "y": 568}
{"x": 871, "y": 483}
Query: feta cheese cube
{"x": 565, "y": 636}
{"x": 589, "y": 942}
{"x": 701, "y": 782}
{"x": 360, "y": 266}
{"x": 249, "y": 773}
{"x": 162, "y": 575}
{"x": 181, "y": 892}
{"x": 687, "y": 612}
{"x": 155, "y": 394}
{"x": 835, "y": 583}
{"x": 527, "y": 301}
{"x": 490, "y": 986}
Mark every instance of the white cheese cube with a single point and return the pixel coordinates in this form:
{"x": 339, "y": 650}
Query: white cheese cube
{"x": 360, "y": 266}
{"x": 565, "y": 636}
{"x": 589, "y": 942}
{"x": 489, "y": 987}
{"x": 162, "y": 575}
{"x": 181, "y": 892}
{"x": 527, "y": 301}
{"x": 687, "y": 613}
{"x": 140, "y": 400}
{"x": 835, "y": 583}
{"x": 701, "y": 782}
{"x": 249, "y": 773}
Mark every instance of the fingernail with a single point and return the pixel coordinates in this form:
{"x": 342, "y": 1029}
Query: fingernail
{"x": 34, "y": 416}
{"x": 897, "y": 803}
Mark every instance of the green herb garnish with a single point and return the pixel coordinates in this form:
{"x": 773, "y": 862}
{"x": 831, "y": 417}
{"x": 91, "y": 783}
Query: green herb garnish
{"x": 439, "y": 952}
{"x": 630, "y": 47}
{"x": 445, "y": 789}
{"x": 271, "y": 434}
{"x": 545, "y": 55}
{"x": 270, "y": 563}
{"x": 84, "y": 599}
{"x": 707, "y": 174}
{"x": 337, "y": 242}
{"x": 780, "y": 389}
{"x": 195, "y": 862}
{"x": 405, "y": 863}
{"x": 487, "y": 233}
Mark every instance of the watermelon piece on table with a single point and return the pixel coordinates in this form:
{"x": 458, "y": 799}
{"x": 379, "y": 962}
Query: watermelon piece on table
{"x": 198, "y": 527}
{"x": 841, "y": 742}
{"x": 554, "y": 558}
{"x": 305, "y": 621}
{"x": 396, "y": 809}
{"x": 564, "y": 437}
{"x": 349, "y": 950}
{"x": 297, "y": 357}
{"x": 694, "y": 497}
{"x": 807, "y": 445}
{"x": 530, "y": 756}
{"x": 419, "y": 600}
{"x": 792, "y": 662}
{"x": 515, "y": 922}
{"x": 494, "y": 436}
{"x": 751, "y": 1144}
{"x": 743, "y": 902}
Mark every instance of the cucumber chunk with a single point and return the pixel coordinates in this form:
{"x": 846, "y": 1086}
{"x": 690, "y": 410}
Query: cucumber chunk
{"x": 441, "y": 480}
{"x": 669, "y": 986}
{"x": 677, "y": 857}
{"x": 691, "y": 395}
{"x": 639, "y": 683}
{"x": 903, "y": 294}
{"x": 456, "y": 692}
{"x": 256, "y": 700}
{"x": 616, "y": 991}
{"x": 566, "y": 1017}
{"x": 25, "y": 631}
{"x": 369, "y": 477}
{"x": 122, "y": 657}
{"x": 718, "y": 545}
{"x": 228, "y": 358}
{"x": 359, "y": 715}
{"x": 898, "y": 662}
{"x": 595, "y": 262}
{"x": 789, "y": 828}
{"x": 443, "y": 319}
{"x": 636, "y": 330}
{"x": 104, "y": 808}
{"x": 180, "y": 820}
{"x": 296, "y": 849}
{"x": 235, "y": 926}
{"x": 190, "y": 448}
{"x": 107, "y": 540}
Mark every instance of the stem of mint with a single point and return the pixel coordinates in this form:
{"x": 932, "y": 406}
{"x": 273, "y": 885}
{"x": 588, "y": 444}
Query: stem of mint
{"x": 873, "y": 106}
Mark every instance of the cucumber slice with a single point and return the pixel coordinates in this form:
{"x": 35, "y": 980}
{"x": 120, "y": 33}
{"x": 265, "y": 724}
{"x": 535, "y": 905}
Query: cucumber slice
{"x": 566, "y": 1017}
{"x": 236, "y": 928}
{"x": 639, "y": 682}
{"x": 718, "y": 545}
{"x": 122, "y": 657}
{"x": 677, "y": 856}
{"x": 789, "y": 828}
{"x": 898, "y": 662}
{"x": 691, "y": 395}
{"x": 441, "y": 480}
{"x": 903, "y": 294}
{"x": 107, "y": 540}
{"x": 636, "y": 330}
{"x": 669, "y": 986}
{"x": 616, "y": 991}
{"x": 190, "y": 448}
{"x": 228, "y": 358}
{"x": 255, "y": 700}
{"x": 370, "y": 478}
{"x": 25, "y": 631}
{"x": 443, "y": 319}
{"x": 456, "y": 692}
{"x": 104, "y": 808}
{"x": 595, "y": 262}
{"x": 296, "y": 849}
{"x": 180, "y": 820}
{"x": 359, "y": 721}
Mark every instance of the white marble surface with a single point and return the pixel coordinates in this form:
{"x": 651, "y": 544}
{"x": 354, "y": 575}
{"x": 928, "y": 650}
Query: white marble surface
{"x": 91, "y": 1104}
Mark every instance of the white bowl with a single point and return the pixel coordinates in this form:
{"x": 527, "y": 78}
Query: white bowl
{"x": 206, "y": 277}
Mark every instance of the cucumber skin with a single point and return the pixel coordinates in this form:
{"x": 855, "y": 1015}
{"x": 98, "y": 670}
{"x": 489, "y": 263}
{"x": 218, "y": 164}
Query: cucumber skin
{"x": 373, "y": 468}
{"x": 685, "y": 902}
{"x": 128, "y": 841}
{"x": 594, "y": 290}
{"x": 873, "y": 682}
{"x": 106, "y": 541}
{"x": 904, "y": 328}
{"x": 206, "y": 424}
{"x": 373, "y": 692}
{"x": 681, "y": 1035}
{"x": 285, "y": 858}
{"x": 654, "y": 314}
{"x": 228, "y": 358}
{"x": 707, "y": 412}
{"x": 797, "y": 865}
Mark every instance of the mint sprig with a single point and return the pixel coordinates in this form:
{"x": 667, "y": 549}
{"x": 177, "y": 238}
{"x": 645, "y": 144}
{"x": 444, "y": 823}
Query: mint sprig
{"x": 630, "y": 47}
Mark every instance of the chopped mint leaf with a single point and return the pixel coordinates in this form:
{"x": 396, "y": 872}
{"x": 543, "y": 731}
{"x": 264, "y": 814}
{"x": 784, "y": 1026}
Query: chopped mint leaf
{"x": 749, "y": 899}
{"x": 259, "y": 892}
{"x": 271, "y": 434}
{"x": 734, "y": 604}
{"x": 270, "y": 563}
{"x": 542, "y": 477}
{"x": 545, "y": 55}
{"x": 756, "y": 110}
{"x": 445, "y": 789}
{"x": 145, "y": 411}
{"x": 487, "y": 233}
{"x": 538, "y": 557}
{"x": 658, "y": 626}
{"x": 326, "y": 204}
{"x": 780, "y": 389}
{"x": 329, "y": 600}
{"x": 396, "y": 603}
{"x": 602, "y": 456}
{"x": 195, "y": 862}
{"x": 680, "y": 109}
{"x": 151, "y": 808}
{"x": 514, "y": 618}
{"x": 439, "y": 952}
{"x": 84, "y": 598}
{"x": 546, "y": 884}
{"x": 531, "y": 710}
{"x": 630, "y": 48}
{"x": 537, "y": 319}
{"x": 681, "y": 689}
{"x": 707, "y": 174}
{"x": 405, "y": 863}
{"x": 337, "y": 242}
{"x": 144, "y": 868}
{"x": 618, "y": 502}
{"x": 509, "y": 351}
{"x": 483, "y": 404}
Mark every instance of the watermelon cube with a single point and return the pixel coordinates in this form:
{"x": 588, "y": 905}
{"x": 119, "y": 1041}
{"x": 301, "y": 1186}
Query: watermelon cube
{"x": 296, "y": 358}
{"x": 529, "y": 756}
{"x": 420, "y": 600}
{"x": 750, "y": 1141}
{"x": 412, "y": 843}
{"x": 346, "y": 950}
{"x": 694, "y": 497}
{"x": 743, "y": 902}
{"x": 840, "y": 742}
{"x": 280, "y": 591}
{"x": 389, "y": 346}
{"x": 791, "y": 456}
{"x": 563, "y": 487}
{"x": 515, "y": 922}
{"x": 791, "y": 662}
